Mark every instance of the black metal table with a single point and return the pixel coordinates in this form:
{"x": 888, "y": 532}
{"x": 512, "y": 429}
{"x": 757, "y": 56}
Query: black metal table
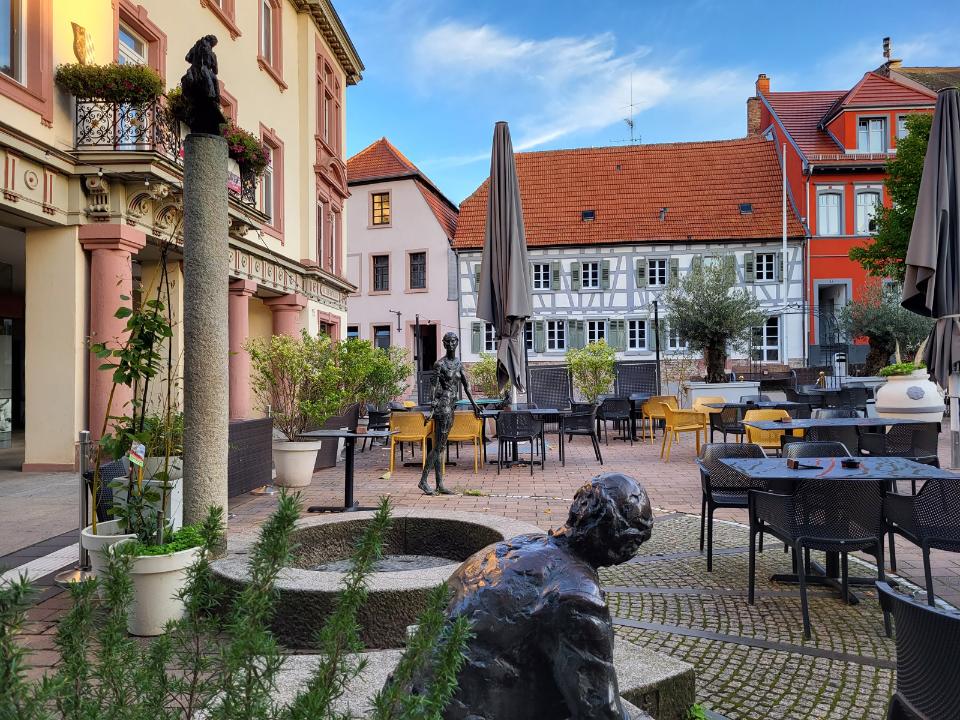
{"x": 350, "y": 443}
{"x": 636, "y": 408}
{"x": 759, "y": 405}
{"x": 807, "y": 423}
{"x": 543, "y": 413}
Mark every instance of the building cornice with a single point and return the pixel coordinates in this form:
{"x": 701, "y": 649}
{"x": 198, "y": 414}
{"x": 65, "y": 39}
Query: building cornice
{"x": 333, "y": 31}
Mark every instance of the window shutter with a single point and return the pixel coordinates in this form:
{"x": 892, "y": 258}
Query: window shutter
{"x": 575, "y": 328}
{"x": 618, "y": 337}
{"x": 652, "y": 334}
{"x": 530, "y": 274}
{"x": 605, "y": 275}
{"x": 780, "y": 267}
{"x": 749, "y": 267}
{"x": 555, "y": 275}
{"x": 674, "y": 270}
{"x": 641, "y": 272}
{"x": 476, "y": 337}
{"x": 539, "y": 336}
{"x": 575, "y": 276}
{"x": 476, "y": 275}
{"x": 453, "y": 276}
{"x": 730, "y": 265}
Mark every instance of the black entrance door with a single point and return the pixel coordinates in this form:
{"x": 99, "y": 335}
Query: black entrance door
{"x": 428, "y": 346}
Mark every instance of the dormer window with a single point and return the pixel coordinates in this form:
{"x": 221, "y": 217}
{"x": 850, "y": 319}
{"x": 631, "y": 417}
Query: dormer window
{"x": 746, "y": 208}
{"x": 872, "y": 135}
{"x": 588, "y": 215}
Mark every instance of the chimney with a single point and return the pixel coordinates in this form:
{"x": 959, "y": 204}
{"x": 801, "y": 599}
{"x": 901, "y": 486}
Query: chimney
{"x": 763, "y": 84}
{"x": 753, "y": 116}
{"x": 892, "y": 62}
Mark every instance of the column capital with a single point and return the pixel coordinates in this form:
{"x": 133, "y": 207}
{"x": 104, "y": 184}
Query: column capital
{"x": 288, "y": 303}
{"x": 112, "y": 236}
{"x": 245, "y": 288}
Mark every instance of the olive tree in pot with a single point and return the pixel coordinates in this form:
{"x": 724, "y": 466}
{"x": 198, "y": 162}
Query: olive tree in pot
{"x": 483, "y": 376}
{"x": 298, "y": 381}
{"x": 592, "y": 370}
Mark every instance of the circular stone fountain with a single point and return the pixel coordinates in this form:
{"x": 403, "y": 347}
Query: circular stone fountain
{"x": 421, "y": 551}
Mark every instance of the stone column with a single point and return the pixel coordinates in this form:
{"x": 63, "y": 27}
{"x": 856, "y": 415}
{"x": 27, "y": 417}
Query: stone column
{"x": 240, "y": 293}
{"x": 111, "y": 278}
{"x": 286, "y": 311}
{"x": 206, "y": 270}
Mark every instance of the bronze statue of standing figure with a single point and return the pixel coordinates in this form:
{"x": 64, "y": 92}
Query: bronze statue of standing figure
{"x": 201, "y": 88}
{"x": 448, "y": 377}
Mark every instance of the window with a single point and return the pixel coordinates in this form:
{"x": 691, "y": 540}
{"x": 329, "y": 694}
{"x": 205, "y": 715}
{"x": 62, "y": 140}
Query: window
{"x": 353, "y": 332}
{"x": 11, "y": 39}
{"x": 828, "y": 213}
{"x": 657, "y": 272}
{"x": 270, "y": 58}
{"x": 636, "y": 334}
{"x": 381, "y": 273}
{"x": 556, "y": 335}
{"x": 266, "y": 30}
{"x": 333, "y": 243}
{"x": 322, "y": 255}
{"x": 329, "y": 105}
{"x": 528, "y": 335}
{"x": 266, "y": 191}
{"x": 591, "y": 276}
{"x": 489, "y": 338}
{"x": 132, "y": 49}
{"x": 380, "y": 208}
{"x": 596, "y": 330}
{"x": 541, "y": 276}
{"x": 766, "y": 341}
{"x": 674, "y": 341}
{"x": 271, "y": 183}
{"x": 381, "y": 336}
{"x": 867, "y": 202}
{"x": 766, "y": 266}
{"x": 872, "y": 135}
{"x": 418, "y": 271}
{"x": 902, "y": 126}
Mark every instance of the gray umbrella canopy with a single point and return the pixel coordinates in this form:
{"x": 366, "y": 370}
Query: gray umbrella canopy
{"x": 503, "y": 298}
{"x": 932, "y": 281}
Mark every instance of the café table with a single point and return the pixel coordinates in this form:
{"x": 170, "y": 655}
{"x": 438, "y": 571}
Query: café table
{"x": 776, "y": 476}
{"x": 547, "y": 414}
{"x": 637, "y": 400}
{"x": 807, "y": 423}
{"x": 350, "y": 438}
{"x": 760, "y": 404}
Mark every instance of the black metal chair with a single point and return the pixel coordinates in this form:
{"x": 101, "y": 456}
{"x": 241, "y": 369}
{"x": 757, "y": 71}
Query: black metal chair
{"x": 832, "y": 413}
{"x": 902, "y": 440}
{"x": 109, "y": 472}
{"x": 928, "y": 655}
{"x": 616, "y": 410}
{"x": 728, "y": 421}
{"x": 812, "y": 400}
{"x": 376, "y": 420}
{"x": 635, "y": 377}
{"x": 550, "y": 387}
{"x": 722, "y": 486}
{"x": 754, "y": 398}
{"x": 855, "y": 396}
{"x": 846, "y": 435}
{"x": 805, "y": 449}
{"x": 514, "y": 427}
{"x": 582, "y": 420}
{"x": 823, "y": 515}
{"x": 929, "y": 519}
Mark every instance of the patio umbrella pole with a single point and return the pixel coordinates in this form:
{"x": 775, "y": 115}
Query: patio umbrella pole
{"x": 954, "y": 420}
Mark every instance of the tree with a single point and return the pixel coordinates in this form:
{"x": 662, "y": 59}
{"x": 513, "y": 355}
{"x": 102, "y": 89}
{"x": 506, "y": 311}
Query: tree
{"x": 711, "y": 315}
{"x": 592, "y": 369}
{"x": 884, "y": 254}
{"x": 877, "y": 315}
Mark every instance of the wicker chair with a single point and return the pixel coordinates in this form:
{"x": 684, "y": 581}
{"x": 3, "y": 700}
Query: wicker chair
{"x": 681, "y": 421}
{"x": 700, "y": 405}
{"x": 928, "y": 655}
{"x": 581, "y": 421}
{"x": 819, "y": 515}
{"x": 653, "y": 411}
{"x": 722, "y": 486}
{"x": 617, "y": 410}
{"x": 517, "y": 426}
{"x": 728, "y": 421}
{"x": 467, "y": 427}
{"x": 929, "y": 519}
{"x": 805, "y": 449}
{"x": 767, "y": 439}
{"x": 411, "y": 427}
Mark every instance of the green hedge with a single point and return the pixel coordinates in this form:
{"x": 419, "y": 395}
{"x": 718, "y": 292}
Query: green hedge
{"x": 133, "y": 84}
{"x": 183, "y": 539}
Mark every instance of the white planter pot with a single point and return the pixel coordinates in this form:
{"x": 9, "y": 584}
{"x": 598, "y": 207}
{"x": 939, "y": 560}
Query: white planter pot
{"x": 294, "y": 462}
{"x": 108, "y": 533}
{"x": 174, "y": 512}
{"x": 729, "y": 391}
{"x": 154, "y": 464}
{"x": 157, "y": 580}
{"x": 914, "y": 397}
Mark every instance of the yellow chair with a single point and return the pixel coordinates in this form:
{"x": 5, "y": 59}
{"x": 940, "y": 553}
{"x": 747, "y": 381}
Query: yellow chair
{"x": 700, "y": 405}
{"x": 467, "y": 427}
{"x": 652, "y": 411}
{"x": 767, "y": 439}
{"x": 678, "y": 421}
{"x": 409, "y": 427}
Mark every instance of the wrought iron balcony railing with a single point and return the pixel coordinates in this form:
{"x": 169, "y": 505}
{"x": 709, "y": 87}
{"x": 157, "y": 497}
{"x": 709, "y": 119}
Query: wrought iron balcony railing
{"x": 133, "y": 127}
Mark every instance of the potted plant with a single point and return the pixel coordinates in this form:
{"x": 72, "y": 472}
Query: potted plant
{"x": 299, "y": 382}
{"x": 592, "y": 369}
{"x": 909, "y": 393}
{"x": 113, "y": 82}
{"x": 483, "y": 376}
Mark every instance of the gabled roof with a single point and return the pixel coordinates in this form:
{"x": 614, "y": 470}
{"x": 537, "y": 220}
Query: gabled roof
{"x": 800, "y": 114}
{"x": 874, "y": 90}
{"x": 700, "y": 184}
{"x": 381, "y": 161}
{"x": 934, "y": 78}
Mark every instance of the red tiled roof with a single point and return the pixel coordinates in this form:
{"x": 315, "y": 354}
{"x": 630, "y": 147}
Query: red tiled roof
{"x": 801, "y": 113}
{"x": 874, "y": 90}
{"x": 700, "y": 184}
{"x": 382, "y": 161}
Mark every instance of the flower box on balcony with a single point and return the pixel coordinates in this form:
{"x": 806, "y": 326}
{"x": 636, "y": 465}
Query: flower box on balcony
{"x": 113, "y": 83}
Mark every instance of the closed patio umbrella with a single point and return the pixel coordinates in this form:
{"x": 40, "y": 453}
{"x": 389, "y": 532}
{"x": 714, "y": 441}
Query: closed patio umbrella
{"x": 503, "y": 298}
{"x": 932, "y": 281}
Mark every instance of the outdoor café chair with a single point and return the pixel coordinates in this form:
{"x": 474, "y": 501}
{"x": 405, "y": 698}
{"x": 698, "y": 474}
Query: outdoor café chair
{"x": 411, "y": 427}
{"x": 728, "y": 421}
{"x": 681, "y": 421}
{"x": 653, "y": 410}
{"x": 847, "y": 435}
{"x": 928, "y": 655}
{"x": 700, "y": 405}
{"x": 929, "y": 519}
{"x": 617, "y": 410}
{"x": 582, "y": 420}
{"x": 722, "y": 486}
{"x": 109, "y": 472}
{"x": 820, "y": 514}
{"x": 806, "y": 449}
{"x": 754, "y": 398}
{"x": 767, "y": 439}
{"x": 831, "y": 413}
{"x": 467, "y": 427}
{"x": 376, "y": 420}
{"x": 907, "y": 440}
{"x": 854, "y": 396}
{"x": 517, "y": 426}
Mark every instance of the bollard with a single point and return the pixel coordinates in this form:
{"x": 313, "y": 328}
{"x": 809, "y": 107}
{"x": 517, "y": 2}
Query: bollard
{"x": 82, "y": 570}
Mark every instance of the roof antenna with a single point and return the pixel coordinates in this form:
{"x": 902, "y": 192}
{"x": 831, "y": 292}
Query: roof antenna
{"x": 887, "y": 48}
{"x": 629, "y": 120}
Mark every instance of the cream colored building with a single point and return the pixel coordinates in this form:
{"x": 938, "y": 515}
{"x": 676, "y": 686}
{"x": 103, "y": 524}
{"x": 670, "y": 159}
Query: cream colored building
{"x": 90, "y": 192}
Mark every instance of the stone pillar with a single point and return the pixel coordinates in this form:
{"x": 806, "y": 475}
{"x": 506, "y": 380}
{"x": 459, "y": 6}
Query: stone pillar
{"x": 206, "y": 270}
{"x": 240, "y": 293}
{"x": 286, "y": 311}
{"x": 111, "y": 278}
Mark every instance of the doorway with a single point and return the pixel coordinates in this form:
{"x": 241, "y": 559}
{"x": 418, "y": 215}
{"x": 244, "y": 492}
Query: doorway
{"x": 427, "y": 352}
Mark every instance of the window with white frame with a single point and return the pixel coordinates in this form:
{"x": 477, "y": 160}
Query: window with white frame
{"x": 867, "y": 202}
{"x": 381, "y": 336}
{"x": 590, "y": 273}
{"x": 636, "y": 334}
{"x": 266, "y": 187}
{"x": 765, "y": 266}
{"x": 541, "y": 276}
{"x": 657, "y": 271}
{"x": 674, "y": 341}
{"x": 596, "y": 330}
{"x": 12, "y": 39}
{"x": 872, "y": 135}
{"x": 829, "y": 207}
{"x": 902, "y": 127}
{"x": 766, "y": 341}
{"x": 528, "y": 335}
{"x": 489, "y": 338}
{"x": 556, "y": 335}
{"x": 266, "y": 30}
{"x": 131, "y": 48}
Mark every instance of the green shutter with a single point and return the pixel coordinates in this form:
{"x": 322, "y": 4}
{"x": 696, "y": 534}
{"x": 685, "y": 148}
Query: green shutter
{"x": 575, "y": 276}
{"x": 652, "y": 334}
{"x": 530, "y": 274}
{"x": 605, "y": 275}
{"x": 730, "y": 265}
{"x": 539, "y": 336}
{"x": 641, "y": 272}
{"x": 476, "y": 337}
{"x": 779, "y": 267}
{"x": 618, "y": 335}
{"x": 555, "y": 275}
{"x": 476, "y": 275}
{"x": 749, "y": 267}
{"x": 575, "y": 329}
{"x": 674, "y": 270}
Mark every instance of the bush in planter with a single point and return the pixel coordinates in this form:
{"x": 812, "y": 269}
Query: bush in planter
{"x": 369, "y": 374}
{"x": 904, "y": 368}
{"x": 483, "y": 375}
{"x": 134, "y": 84}
{"x": 251, "y": 154}
{"x": 592, "y": 369}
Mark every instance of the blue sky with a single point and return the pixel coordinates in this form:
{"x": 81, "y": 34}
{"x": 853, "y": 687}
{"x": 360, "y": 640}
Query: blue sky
{"x": 440, "y": 73}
